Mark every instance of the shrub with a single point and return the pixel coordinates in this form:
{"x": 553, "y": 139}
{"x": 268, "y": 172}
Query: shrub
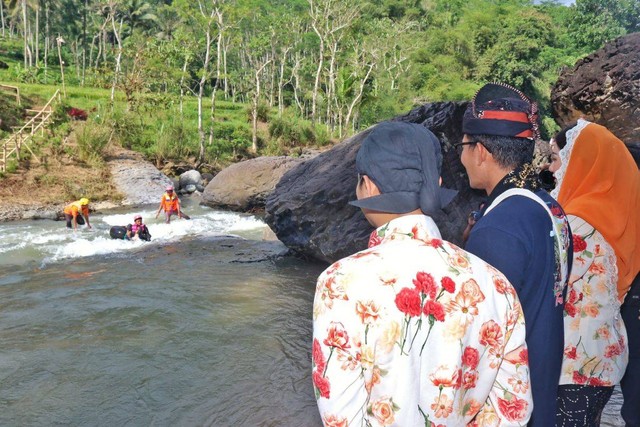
{"x": 263, "y": 112}
{"x": 173, "y": 141}
{"x": 92, "y": 140}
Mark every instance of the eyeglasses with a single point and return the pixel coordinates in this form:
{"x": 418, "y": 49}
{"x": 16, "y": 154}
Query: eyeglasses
{"x": 460, "y": 146}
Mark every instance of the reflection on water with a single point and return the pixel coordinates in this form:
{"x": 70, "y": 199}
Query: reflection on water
{"x": 179, "y": 333}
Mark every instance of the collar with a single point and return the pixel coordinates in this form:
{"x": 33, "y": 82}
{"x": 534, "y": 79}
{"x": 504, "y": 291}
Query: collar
{"x": 524, "y": 176}
{"x": 407, "y": 227}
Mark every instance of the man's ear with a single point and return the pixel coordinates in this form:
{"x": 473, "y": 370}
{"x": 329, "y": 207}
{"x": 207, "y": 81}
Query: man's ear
{"x": 482, "y": 153}
{"x": 370, "y": 187}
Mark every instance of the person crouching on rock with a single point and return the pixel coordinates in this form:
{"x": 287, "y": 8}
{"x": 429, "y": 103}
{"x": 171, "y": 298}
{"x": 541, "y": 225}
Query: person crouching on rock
{"x": 171, "y": 205}
{"x": 77, "y": 213}
{"x": 138, "y": 229}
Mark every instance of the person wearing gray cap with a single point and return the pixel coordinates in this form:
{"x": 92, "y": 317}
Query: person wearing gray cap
{"x": 414, "y": 330}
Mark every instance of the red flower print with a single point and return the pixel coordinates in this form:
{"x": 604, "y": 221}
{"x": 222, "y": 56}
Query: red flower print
{"x": 514, "y": 409}
{"x": 519, "y": 356}
{"x": 579, "y": 244}
{"x": 570, "y": 309}
{"x": 448, "y": 284}
{"x": 612, "y": 350}
{"x": 425, "y": 283}
{"x": 556, "y": 211}
{"x": 597, "y": 382}
{"x": 436, "y": 243}
{"x": 469, "y": 379}
{"x": 491, "y": 334}
{"x": 502, "y": 286}
{"x": 335, "y": 421}
{"x": 408, "y": 302}
{"x": 318, "y": 357}
{"x": 337, "y": 337}
{"x": 578, "y": 378}
{"x": 470, "y": 357}
{"x": 414, "y": 232}
{"x": 374, "y": 239}
{"x": 435, "y": 309}
{"x": 322, "y": 384}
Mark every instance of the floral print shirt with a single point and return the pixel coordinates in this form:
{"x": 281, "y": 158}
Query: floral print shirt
{"x": 416, "y": 331}
{"x": 595, "y": 351}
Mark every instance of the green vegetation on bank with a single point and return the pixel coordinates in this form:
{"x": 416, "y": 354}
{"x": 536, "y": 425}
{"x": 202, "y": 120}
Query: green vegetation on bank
{"x": 280, "y": 74}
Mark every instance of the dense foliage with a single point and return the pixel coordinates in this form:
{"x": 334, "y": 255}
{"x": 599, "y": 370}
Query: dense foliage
{"x": 320, "y": 68}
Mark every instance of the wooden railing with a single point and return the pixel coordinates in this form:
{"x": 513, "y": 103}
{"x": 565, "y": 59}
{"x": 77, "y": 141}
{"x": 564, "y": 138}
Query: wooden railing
{"x": 14, "y": 90}
{"x": 13, "y": 144}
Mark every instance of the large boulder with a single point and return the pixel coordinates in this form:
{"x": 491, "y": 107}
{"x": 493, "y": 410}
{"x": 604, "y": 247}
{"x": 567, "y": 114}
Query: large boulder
{"x": 138, "y": 180}
{"x": 244, "y": 186}
{"x": 604, "y": 88}
{"x": 309, "y": 210}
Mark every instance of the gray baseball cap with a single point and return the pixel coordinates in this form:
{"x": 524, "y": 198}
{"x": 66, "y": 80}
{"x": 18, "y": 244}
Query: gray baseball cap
{"x": 404, "y": 160}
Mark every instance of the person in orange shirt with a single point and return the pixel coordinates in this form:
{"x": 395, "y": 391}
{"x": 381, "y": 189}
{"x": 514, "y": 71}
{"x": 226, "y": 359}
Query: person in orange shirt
{"x": 77, "y": 213}
{"x": 171, "y": 205}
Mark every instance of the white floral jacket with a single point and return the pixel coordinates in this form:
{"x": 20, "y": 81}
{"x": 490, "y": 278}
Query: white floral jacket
{"x": 416, "y": 331}
{"x": 595, "y": 339}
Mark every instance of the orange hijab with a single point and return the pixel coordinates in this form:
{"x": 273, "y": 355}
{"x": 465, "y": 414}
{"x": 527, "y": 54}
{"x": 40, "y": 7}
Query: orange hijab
{"x": 601, "y": 184}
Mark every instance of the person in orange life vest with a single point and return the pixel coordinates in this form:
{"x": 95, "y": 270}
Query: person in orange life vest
{"x": 138, "y": 229}
{"x": 170, "y": 204}
{"x": 77, "y": 213}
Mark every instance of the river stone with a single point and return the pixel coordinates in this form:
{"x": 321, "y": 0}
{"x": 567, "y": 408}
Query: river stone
{"x": 189, "y": 188}
{"x": 604, "y": 88}
{"x": 188, "y": 178}
{"x": 138, "y": 180}
{"x": 244, "y": 186}
{"x": 309, "y": 210}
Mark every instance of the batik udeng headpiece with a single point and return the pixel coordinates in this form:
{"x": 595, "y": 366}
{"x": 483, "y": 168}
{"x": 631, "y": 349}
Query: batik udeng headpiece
{"x": 499, "y": 109}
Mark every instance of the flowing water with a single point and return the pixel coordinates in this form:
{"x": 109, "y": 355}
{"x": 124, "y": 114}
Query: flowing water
{"x": 194, "y": 328}
{"x": 204, "y": 325}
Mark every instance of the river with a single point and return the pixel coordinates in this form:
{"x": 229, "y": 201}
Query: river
{"x": 204, "y": 325}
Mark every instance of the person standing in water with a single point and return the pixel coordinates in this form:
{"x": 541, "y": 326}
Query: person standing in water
{"x": 77, "y": 213}
{"x": 171, "y": 205}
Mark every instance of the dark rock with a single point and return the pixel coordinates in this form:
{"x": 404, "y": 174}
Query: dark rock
{"x": 206, "y": 178}
{"x": 309, "y": 210}
{"x": 244, "y": 186}
{"x": 634, "y": 148}
{"x": 604, "y": 88}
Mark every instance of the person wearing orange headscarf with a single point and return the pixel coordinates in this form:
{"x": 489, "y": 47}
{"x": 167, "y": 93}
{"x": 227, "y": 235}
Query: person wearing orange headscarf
{"x": 598, "y": 185}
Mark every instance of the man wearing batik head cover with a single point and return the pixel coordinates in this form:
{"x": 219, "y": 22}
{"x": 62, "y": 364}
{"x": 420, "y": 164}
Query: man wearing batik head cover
{"x": 523, "y": 231}
{"x": 414, "y": 330}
